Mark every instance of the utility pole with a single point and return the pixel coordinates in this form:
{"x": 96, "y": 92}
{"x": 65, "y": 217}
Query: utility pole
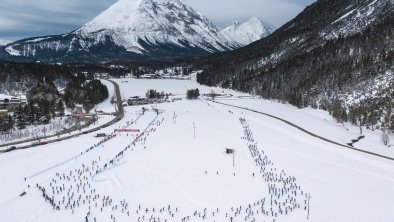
{"x": 233, "y": 157}
{"x": 194, "y": 127}
{"x": 309, "y": 200}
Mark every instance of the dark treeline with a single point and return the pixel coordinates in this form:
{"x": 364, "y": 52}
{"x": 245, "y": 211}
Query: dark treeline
{"x": 115, "y": 70}
{"x": 122, "y": 68}
{"x": 22, "y": 76}
{"x": 192, "y": 94}
{"x": 153, "y": 94}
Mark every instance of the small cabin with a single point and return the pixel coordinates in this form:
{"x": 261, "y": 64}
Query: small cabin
{"x": 78, "y": 109}
{"x": 229, "y": 151}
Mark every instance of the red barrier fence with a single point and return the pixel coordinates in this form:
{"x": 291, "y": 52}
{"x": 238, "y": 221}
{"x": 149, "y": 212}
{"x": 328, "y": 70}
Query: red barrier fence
{"x": 127, "y": 130}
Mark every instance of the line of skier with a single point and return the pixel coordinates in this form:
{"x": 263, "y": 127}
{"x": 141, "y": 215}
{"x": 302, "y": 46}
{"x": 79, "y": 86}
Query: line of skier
{"x": 285, "y": 195}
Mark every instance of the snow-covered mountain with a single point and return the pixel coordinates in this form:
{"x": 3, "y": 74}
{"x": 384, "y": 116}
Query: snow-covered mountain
{"x": 245, "y": 33}
{"x": 4, "y": 42}
{"x": 130, "y": 29}
{"x": 155, "y": 22}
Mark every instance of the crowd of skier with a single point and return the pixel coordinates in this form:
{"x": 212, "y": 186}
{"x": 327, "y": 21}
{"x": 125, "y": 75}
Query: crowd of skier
{"x": 76, "y": 190}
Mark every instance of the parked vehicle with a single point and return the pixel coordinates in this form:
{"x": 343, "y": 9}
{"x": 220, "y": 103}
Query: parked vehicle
{"x": 40, "y": 142}
{"x": 12, "y": 148}
{"x": 35, "y": 143}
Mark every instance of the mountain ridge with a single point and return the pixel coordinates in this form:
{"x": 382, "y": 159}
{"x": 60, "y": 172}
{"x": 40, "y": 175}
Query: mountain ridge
{"x": 129, "y": 29}
{"x": 247, "y": 32}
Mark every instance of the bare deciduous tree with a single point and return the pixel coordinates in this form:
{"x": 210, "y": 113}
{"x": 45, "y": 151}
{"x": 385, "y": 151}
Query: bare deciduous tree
{"x": 385, "y": 138}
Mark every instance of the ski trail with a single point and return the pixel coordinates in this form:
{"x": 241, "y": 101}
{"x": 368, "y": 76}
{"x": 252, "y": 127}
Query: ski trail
{"x": 333, "y": 164}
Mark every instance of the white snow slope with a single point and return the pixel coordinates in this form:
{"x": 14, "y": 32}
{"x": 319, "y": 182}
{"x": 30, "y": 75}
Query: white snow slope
{"x": 178, "y": 170}
{"x": 245, "y": 33}
{"x": 4, "y": 42}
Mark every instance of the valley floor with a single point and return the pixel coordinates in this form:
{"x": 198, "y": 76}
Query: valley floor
{"x": 176, "y": 168}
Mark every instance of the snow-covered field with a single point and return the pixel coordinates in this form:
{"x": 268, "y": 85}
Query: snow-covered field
{"x": 106, "y": 105}
{"x": 176, "y": 168}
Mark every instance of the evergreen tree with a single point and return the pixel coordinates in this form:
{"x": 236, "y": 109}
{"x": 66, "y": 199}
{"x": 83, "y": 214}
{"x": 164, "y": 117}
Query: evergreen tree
{"x": 3, "y": 123}
{"x": 389, "y": 110}
{"x": 31, "y": 113}
{"x": 20, "y": 117}
{"x": 60, "y": 108}
{"x": 192, "y": 94}
{"x": 295, "y": 99}
{"x": 45, "y": 119}
{"x": 337, "y": 110}
{"x": 6, "y": 123}
{"x": 10, "y": 123}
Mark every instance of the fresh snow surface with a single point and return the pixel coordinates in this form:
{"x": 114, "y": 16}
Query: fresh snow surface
{"x": 4, "y": 42}
{"x": 12, "y": 51}
{"x": 106, "y": 105}
{"x": 38, "y": 39}
{"x": 245, "y": 33}
{"x": 6, "y": 96}
{"x": 177, "y": 170}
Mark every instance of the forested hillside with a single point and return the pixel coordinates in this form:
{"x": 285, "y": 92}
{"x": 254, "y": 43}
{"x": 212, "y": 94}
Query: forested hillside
{"x": 22, "y": 76}
{"x": 334, "y": 53}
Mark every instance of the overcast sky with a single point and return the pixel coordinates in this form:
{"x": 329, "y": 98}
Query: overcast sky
{"x": 28, "y": 18}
